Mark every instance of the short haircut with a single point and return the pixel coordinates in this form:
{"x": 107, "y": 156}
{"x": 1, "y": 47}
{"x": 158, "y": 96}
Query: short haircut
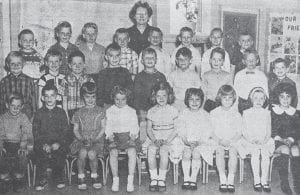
{"x": 136, "y": 6}
{"x": 162, "y": 86}
{"x": 52, "y": 53}
{"x": 13, "y": 96}
{"x": 218, "y": 50}
{"x": 155, "y": 29}
{"x": 193, "y": 91}
{"x": 120, "y": 31}
{"x": 256, "y": 90}
{"x": 280, "y": 60}
{"x": 24, "y": 32}
{"x": 186, "y": 29}
{"x": 11, "y": 54}
{"x": 112, "y": 46}
{"x": 245, "y": 33}
{"x": 89, "y": 25}
{"x": 250, "y": 51}
{"x": 87, "y": 88}
{"x": 149, "y": 50}
{"x": 60, "y": 25}
{"x": 186, "y": 52}
{"x": 49, "y": 87}
{"x": 216, "y": 30}
{"x": 120, "y": 90}
{"x": 225, "y": 90}
{"x": 76, "y": 53}
{"x": 285, "y": 88}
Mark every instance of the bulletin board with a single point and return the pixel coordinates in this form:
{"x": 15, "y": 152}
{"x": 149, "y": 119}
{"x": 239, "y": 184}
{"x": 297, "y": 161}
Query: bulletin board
{"x": 284, "y": 40}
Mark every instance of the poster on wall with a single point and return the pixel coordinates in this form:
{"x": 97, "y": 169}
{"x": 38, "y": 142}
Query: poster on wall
{"x": 284, "y": 40}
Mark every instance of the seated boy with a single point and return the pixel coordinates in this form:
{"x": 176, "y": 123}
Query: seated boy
{"x": 15, "y": 135}
{"x": 50, "y": 125}
{"x": 248, "y": 78}
{"x": 111, "y": 76}
{"x": 16, "y": 81}
{"x": 279, "y": 75}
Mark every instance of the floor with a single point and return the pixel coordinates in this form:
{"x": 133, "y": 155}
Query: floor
{"x": 211, "y": 188}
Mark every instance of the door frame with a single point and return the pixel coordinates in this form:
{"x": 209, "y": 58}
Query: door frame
{"x": 243, "y": 11}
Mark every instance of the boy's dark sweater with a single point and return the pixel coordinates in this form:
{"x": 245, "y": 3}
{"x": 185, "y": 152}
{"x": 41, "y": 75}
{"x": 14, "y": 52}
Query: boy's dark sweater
{"x": 107, "y": 79}
{"x": 49, "y": 126}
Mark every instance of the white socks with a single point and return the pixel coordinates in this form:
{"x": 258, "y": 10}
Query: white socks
{"x": 130, "y": 186}
{"x": 195, "y": 169}
{"x": 186, "y": 165}
{"x": 162, "y": 174}
{"x": 115, "y": 184}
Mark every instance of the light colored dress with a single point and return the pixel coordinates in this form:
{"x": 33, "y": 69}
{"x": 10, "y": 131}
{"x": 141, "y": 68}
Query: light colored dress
{"x": 196, "y": 126}
{"x": 256, "y": 124}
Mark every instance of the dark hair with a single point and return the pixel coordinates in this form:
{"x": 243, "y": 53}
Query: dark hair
{"x": 112, "y": 46}
{"x": 89, "y": 25}
{"x": 120, "y": 90}
{"x": 245, "y": 33}
{"x": 225, "y": 90}
{"x": 280, "y": 60}
{"x": 218, "y": 50}
{"x": 186, "y": 52}
{"x": 87, "y": 88}
{"x": 120, "y": 31}
{"x": 11, "y": 54}
{"x": 250, "y": 51}
{"x": 193, "y": 91}
{"x": 14, "y": 96}
{"x": 149, "y": 50}
{"x": 136, "y": 6}
{"x": 285, "y": 88}
{"x": 183, "y": 29}
{"x": 162, "y": 86}
{"x": 52, "y": 53}
{"x": 24, "y": 32}
{"x": 216, "y": 30}
{"x": 60, "y": 25}
{"x": 76, "y": 53}
{"x": 49, "y": 87}
{"x": 155, "y": 29}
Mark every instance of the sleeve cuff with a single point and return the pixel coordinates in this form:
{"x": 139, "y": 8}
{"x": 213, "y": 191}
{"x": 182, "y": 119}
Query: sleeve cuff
{"x": 277, "y": 138}
{"x": 291, "y": 139}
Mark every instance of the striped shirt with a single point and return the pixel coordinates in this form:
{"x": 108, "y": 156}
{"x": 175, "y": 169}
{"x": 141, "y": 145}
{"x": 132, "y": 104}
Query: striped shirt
{"x": 58, "y": 81}
{"x": 21, "y": 84}
{"x": 73, "y": 86}
{"x": 129, "y": 60}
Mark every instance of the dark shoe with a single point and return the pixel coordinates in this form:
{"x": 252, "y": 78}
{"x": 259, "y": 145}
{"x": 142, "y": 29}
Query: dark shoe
{"x": 185, "y": 185}
{"x": 96, "y": 183}
{"x": 257, "y": 187}
{"x": 153, "y": 186}
{"x": 5, "y": 186}
{"x": 223, "y": 188}
{"x": 82, "y": 184}
{"x": 18, "y": 184}
{"x": 266, "y": 188}
{"x": 193, "y": 186}
{"x": 41, "y": 185}
{"x": 285, "y": 187}
{"x": 161, "y": 185}
{"x": 230, "y": 188}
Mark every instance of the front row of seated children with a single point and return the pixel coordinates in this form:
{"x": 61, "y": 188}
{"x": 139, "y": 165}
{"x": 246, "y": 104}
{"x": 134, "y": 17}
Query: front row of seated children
{"x": 189, "y": 135}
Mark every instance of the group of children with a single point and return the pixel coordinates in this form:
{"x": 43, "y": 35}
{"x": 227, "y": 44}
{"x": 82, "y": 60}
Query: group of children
{"x": 93, "y": 101}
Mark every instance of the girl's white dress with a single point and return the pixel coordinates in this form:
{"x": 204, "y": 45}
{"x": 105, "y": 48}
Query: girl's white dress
{"x": 256, "y": 124}
{"x": 196, "y": 126}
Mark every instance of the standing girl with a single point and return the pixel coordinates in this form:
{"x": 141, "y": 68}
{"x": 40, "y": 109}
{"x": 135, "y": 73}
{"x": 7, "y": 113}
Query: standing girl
{"x": 195, "y": 130}
{"x": 89, "y": 124}
{"x": 227, "y": 123}
{"x": 286, "y": 131}
{"x": 122, "y": 130}
{"x": 257, "y": 139}
{"x": 161, "y": 131}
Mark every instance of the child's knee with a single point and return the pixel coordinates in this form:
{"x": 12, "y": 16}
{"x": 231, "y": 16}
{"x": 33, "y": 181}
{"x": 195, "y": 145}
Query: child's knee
{"x": 82, "y": 154}
{"x": 163, "y": 151}
{"x": 232, "y": 152}
{"x": 295, "y": 151}
{"x": 196, "y": 155}
{"x": 92, "y": 155}
{"x": 187, "y": 154}
{"x": 114, "y": 153}
{"x": 220, "y": 152}
{"x": 152, "y": 150}
{"x": 131, "y": 152}
{"x": 19, "y": 175}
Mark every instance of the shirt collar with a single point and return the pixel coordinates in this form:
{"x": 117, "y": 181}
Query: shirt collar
{"x": 278, "y": 110}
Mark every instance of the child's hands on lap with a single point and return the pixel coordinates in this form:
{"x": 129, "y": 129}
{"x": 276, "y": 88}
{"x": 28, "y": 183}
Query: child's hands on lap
{"x": 55, "y": 146}
{"x": 46, "y": 148}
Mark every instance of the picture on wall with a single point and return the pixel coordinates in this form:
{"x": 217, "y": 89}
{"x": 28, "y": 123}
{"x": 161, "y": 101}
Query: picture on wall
{"x": 284, "y": 40}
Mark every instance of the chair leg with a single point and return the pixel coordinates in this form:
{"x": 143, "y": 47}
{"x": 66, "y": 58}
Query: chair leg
{"x": 103, "y": 170}
{"x": 107, "y": 167}
{"x": 71, "y": 169}
{"x": 139, "y": 168}
{"x": 206, "y": 173}
{"x": 241, "y": 170}
{"x": 270, "y": 169}
{"x": 67, "y": 170}
{"x": 203, "y": 171}
{"x": 175, "y": 169}
{"x": 28, "y": 175}
{"x": 34, "y": 175}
